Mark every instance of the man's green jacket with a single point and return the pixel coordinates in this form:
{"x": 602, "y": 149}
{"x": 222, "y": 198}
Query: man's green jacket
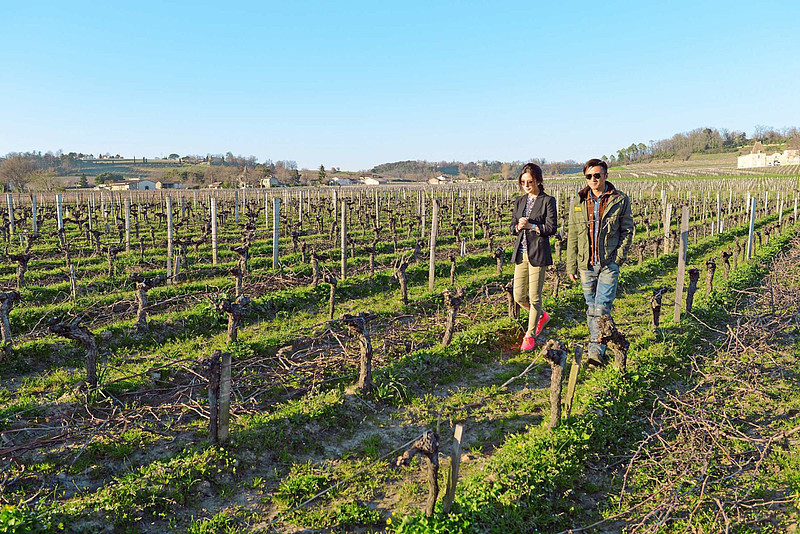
{"x": 616, "y": 230}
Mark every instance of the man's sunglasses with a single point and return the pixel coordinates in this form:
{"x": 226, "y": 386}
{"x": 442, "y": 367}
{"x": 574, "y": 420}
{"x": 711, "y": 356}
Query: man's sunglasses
{"x": 596, "y": 176}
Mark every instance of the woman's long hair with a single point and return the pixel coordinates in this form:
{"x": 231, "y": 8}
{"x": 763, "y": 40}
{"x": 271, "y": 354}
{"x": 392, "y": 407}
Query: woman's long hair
{"x": 536, "y": 172}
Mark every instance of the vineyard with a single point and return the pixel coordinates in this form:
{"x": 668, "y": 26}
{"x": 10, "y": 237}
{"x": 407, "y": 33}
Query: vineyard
{"x": 347, "y": 360}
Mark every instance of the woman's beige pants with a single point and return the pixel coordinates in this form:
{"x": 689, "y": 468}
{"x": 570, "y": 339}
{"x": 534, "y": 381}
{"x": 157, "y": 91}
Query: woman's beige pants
{"x": 528, "y": 286}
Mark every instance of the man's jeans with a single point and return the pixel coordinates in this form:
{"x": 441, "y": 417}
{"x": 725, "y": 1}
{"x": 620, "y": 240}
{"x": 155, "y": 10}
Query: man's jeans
{"x": 599, "y": 289}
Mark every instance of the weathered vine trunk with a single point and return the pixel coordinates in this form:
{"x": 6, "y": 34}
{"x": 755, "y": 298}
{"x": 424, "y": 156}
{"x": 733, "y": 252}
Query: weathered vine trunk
{"x": 694, "y": 276}
{"x": 615, "y": 340}
{"x": 143, "y": 285}
{"x": 498, "y": 257}
{"x": 452, "y": 302}
{"x": 556, "y": 354}
{"x": 428, "y": 446}
{"x": 359, "y": 326}
{"x": 236, "y": 310}
{"x": 400, "y": 266}
{"x": 73, "y": 330}
{"x": 7, "y": 301}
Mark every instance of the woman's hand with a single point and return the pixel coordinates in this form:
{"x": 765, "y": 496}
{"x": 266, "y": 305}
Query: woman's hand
{"x": 522, "y": 223}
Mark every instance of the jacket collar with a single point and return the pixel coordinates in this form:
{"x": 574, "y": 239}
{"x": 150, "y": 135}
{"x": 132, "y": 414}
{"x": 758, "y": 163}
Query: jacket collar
{"x": 611, "y": 191}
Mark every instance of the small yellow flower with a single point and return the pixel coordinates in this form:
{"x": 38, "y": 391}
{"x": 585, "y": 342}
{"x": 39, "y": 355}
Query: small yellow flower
{"x": 388, "y": 520}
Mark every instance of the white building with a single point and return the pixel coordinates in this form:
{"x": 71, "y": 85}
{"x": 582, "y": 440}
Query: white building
{"x": 340, "y": 180}
{"x": 129, "y": 185}
{"x": 169, "y": 185}
{"x": 270, "y": 182}
{"x": 441, "y": 180}
{"x": 759, "y": 158}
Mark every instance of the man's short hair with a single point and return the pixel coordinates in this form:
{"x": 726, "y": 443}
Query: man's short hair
{"x": 594, "y": 162}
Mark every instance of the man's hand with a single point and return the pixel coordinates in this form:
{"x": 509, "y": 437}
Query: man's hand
{"x": 573, "y": 277}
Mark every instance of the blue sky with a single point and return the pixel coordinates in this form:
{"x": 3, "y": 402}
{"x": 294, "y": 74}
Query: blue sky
{"x": 356, "y": 84}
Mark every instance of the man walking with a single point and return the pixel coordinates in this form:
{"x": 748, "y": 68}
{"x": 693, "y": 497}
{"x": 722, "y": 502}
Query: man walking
{"x": 599, "y": 235}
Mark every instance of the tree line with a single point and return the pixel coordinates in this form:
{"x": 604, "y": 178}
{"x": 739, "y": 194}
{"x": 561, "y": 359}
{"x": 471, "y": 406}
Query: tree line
{"x": 420, "y": 170}
{"x": 702, "y": 140}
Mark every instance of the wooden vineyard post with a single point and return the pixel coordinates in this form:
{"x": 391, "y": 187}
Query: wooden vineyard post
{"x": 573, "y": 380}
{"x": 344, "y": 240}
{"x": 10, "y": 202}
{"x": 276, "y": 220}
{"x": 81, "y": 334}
{"x": 266, "y": 212}
{"x": 224, "y": 398}
{"x": 331, "y": 279}
{"x": 455, "y": 464}
{"x": 719, "y": 216}
{"x": 473, "y": 221}
{"x": 236, "y": 206}
{"x": 434, "y": 232}
{"x": 667, "y": 218}
{"x": 59, "y": 213}
{"x": 556, "y": 354}
{"x": 127, "y": 225}
{"x": 422, "y": 214}
{"x": 684, "y": 243}
{"x": 752, "y": 226}
{"x": 428, "y": 446}
{"x": 34, "y": 221}
{"x": 213, "y": 230}
{"x": 219, "y": 396}
{"x": 170, "y": 273}
{"x": 452, "y": 258}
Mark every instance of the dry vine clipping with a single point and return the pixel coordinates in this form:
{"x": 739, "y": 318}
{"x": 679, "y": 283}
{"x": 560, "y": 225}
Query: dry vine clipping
{"x": 708, "y": 446}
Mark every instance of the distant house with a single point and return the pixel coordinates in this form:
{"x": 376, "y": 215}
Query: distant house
{"x": 440, "y": 180}
{"x": 270, "y": 182}
{"x": 759, "y": 158}
{"x": 169, "y": 185}
{"x": 372, "y": 180}
{"x": 129, "y": 185}
{"x": 215, "y": 185}
{"x": 341, "y": 180}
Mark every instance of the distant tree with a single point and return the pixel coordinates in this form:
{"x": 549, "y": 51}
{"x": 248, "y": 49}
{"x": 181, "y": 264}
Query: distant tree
{"x": 45, "y": 180}
{"x": 505, "y": 171}
{"x": 322, "y": 174}
{"x": 104, "y": 177}
{"x": 15, "y": 171}
{"x": 83, "y": 182}
{"x": 174, "y": 156}
{"x": 794, "y": 143}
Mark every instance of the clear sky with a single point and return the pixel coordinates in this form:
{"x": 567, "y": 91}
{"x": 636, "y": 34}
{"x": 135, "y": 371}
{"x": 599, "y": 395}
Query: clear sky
{"x": 356, "y": 84}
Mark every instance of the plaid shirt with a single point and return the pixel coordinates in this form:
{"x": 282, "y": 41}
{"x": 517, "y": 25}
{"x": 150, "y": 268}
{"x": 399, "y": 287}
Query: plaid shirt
{"x": 595, "y": 214}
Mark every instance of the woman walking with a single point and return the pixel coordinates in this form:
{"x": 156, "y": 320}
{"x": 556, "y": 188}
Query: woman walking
{"x": 534, "y": 220}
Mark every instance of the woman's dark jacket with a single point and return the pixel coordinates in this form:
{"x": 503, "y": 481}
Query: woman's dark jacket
{"x": 543, "y": 214}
